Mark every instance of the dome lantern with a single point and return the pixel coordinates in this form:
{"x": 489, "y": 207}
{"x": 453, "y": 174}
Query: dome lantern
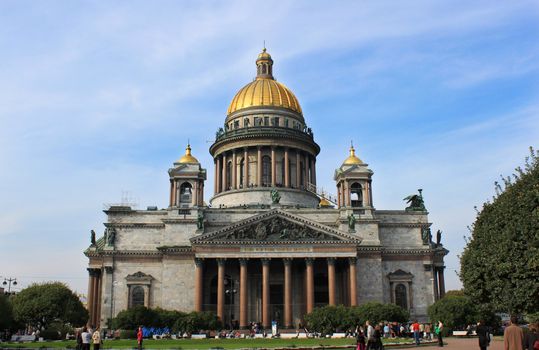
{"x": 264, "y": 66}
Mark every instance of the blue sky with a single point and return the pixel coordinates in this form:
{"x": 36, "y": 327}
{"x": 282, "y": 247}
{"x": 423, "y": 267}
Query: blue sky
{"x": 101, "y": 97}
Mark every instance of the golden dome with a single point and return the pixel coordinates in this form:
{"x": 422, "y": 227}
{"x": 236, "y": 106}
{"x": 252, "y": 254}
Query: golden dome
{"x": 352, "y": 159}
{"x": 264, "y": 91}
{"x": 324, "y": 203}
{"x": 188, "y": 158}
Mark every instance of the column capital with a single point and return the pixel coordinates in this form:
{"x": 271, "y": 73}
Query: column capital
{"x": 287, "y": 261}
{"x": 221, "y": 261}
{"x": 244, "y": 261}
{"x": 93, "y": 272}
{"x": 309, "y": 261}
{"x": 265, "y": 261}
{"x": 352, "y": 260}
{"x": 331, "y": 261}
{"x": 199, "y": 262}
{"x": 109, "y": 269}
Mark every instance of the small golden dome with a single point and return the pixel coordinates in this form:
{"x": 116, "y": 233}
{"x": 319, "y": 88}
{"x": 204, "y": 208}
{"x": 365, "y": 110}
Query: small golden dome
{"x": 324, "y": 203}
{"x": 264, "y": 91}
{"x": 352, "y": 159}
{"x": 188, "y": 158}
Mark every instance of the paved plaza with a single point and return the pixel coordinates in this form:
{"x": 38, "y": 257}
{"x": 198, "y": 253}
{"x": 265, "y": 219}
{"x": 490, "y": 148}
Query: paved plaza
{"x": 468, "y": 343}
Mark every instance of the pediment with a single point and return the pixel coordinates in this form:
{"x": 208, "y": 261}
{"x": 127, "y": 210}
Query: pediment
{"x": 276, "y": 227}
{"x": 139, "y": 276}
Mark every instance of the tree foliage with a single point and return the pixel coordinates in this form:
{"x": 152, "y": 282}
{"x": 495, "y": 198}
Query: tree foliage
{"x": 454, "y": 311}
{"x": 136, "y": 316}
{"x": 500, "y": 263}
{"x": 158, "y": 318}
{"x": 329, "y": 319}
{"x": 6, "y": 313}
{"x": 457, "y": 310}
{"x": 41, "y": 304}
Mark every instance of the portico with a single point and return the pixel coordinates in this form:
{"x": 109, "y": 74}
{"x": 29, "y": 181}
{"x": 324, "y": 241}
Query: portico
{"x": 274, "y": 277}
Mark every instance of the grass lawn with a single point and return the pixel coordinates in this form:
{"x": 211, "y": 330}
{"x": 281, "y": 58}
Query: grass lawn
{"x": 202, "y": 343}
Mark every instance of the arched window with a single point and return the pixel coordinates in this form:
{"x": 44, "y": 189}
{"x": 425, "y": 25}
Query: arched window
{"x": 229, "y": 175}
{"x": 266, "y": 170}
{"x": 356, "y": 195}
{"x": 242, "y": 168}
{"x": 186, "y": 194}
{"x": 137, "y": 296}
{"x": 401, "y": 298}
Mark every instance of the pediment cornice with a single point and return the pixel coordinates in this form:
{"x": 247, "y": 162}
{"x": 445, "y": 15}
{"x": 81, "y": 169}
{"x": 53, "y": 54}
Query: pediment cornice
{"x": 275, "y": 227}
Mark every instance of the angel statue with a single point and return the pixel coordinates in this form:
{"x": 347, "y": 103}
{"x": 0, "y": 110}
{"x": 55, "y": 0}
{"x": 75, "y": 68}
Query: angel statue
{"x": 415, "y": 202}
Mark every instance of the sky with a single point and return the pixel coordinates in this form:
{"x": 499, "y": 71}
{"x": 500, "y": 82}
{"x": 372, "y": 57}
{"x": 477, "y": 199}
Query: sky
{"x": 99, "y": 98}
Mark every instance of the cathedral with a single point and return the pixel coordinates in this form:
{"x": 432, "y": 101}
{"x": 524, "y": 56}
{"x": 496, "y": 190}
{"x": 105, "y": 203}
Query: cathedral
{"x": 269, "y": 245}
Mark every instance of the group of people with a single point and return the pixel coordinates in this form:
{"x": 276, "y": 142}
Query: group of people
{"x": 514, "y": 337}
{"x": 369, "y": 337}
{"x": 88, "y": 336}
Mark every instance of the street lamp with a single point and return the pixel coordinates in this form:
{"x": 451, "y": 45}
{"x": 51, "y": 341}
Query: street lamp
{"x": 9, "y": 282}
{"x": 230, "y": 292}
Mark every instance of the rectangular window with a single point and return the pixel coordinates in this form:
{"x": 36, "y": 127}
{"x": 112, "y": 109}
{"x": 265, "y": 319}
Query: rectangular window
{"x": 266, "y": 121}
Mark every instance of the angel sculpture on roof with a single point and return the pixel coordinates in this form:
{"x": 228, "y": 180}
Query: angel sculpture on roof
{"x": 415, "y": 202}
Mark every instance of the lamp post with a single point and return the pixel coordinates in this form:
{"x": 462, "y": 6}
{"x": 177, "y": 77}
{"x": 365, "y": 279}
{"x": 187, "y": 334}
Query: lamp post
{"x": 230, "y": 292}
{"x": 9, "y": 282}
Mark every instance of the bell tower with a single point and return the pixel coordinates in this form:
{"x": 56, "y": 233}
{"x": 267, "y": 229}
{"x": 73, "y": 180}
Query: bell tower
{"x": 353, "y": 180}
{"x": 187, "y": 182}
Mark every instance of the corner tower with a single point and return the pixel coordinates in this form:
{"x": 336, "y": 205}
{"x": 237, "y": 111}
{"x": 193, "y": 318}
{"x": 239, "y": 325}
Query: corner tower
{"x": 264, "y": 145}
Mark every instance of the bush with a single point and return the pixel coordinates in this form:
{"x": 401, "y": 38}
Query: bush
{"x": 377, "y": 312}
{"x": 134, "y": 317}
{"x": 454, "y": 312}
{"x": 128, "y": 334}
{"x": 329, "y": 319}
{"x": 196, "y": 321}
{"x": 50, "y": 334}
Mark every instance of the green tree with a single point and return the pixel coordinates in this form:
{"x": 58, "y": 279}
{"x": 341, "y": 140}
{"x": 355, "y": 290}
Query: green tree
{"x": 377, "y": 312}
{"x": 136, "y": 316}
{"x": 329, "y": 319}
{"x": 454, "y": 311}
{"x": 41, "y": 304}
{"x": 500, "y": 263}
{"x": 6, "y": 313}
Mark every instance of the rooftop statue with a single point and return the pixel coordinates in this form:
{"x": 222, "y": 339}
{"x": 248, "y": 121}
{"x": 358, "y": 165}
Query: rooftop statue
{"x": 200, "y": 221}
{"x": 275, "y": 196}
{"x": 351, "y": 222}
{"x": 416, "y": 202}
{"x": 438, "y": 238}
{"x": 110, "y": 234}
{"x": 92, "y": 237}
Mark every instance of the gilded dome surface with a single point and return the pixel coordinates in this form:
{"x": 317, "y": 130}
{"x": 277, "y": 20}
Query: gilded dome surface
{"x": 187, "y": 158}
{"x": 352, "y": 159}
{"x": 264, "y": 91}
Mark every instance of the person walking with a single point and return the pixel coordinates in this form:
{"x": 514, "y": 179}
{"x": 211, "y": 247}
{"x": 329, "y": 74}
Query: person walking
{"x": 370, "y": 336}
{"x": 86, "y": 337}
{"x": 377, "y": 337}
{"x": 513, "y": 336}
{"x": 139, "y": 338}
{"x": 531, "y": 340}
{"x": 427, "y": 332}
{"x": 438, "y": 330}
{"x": 483, "y": 334}
{"x": 78, "y": 338}
{"x": 360, "y": 340}
{"x": 96, "y": 338}
{"x": 415, "y": 329}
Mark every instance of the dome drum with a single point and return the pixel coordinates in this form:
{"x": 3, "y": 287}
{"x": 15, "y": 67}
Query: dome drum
{"x": 253, "y": 197}
{"x": 264, "y": 136}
